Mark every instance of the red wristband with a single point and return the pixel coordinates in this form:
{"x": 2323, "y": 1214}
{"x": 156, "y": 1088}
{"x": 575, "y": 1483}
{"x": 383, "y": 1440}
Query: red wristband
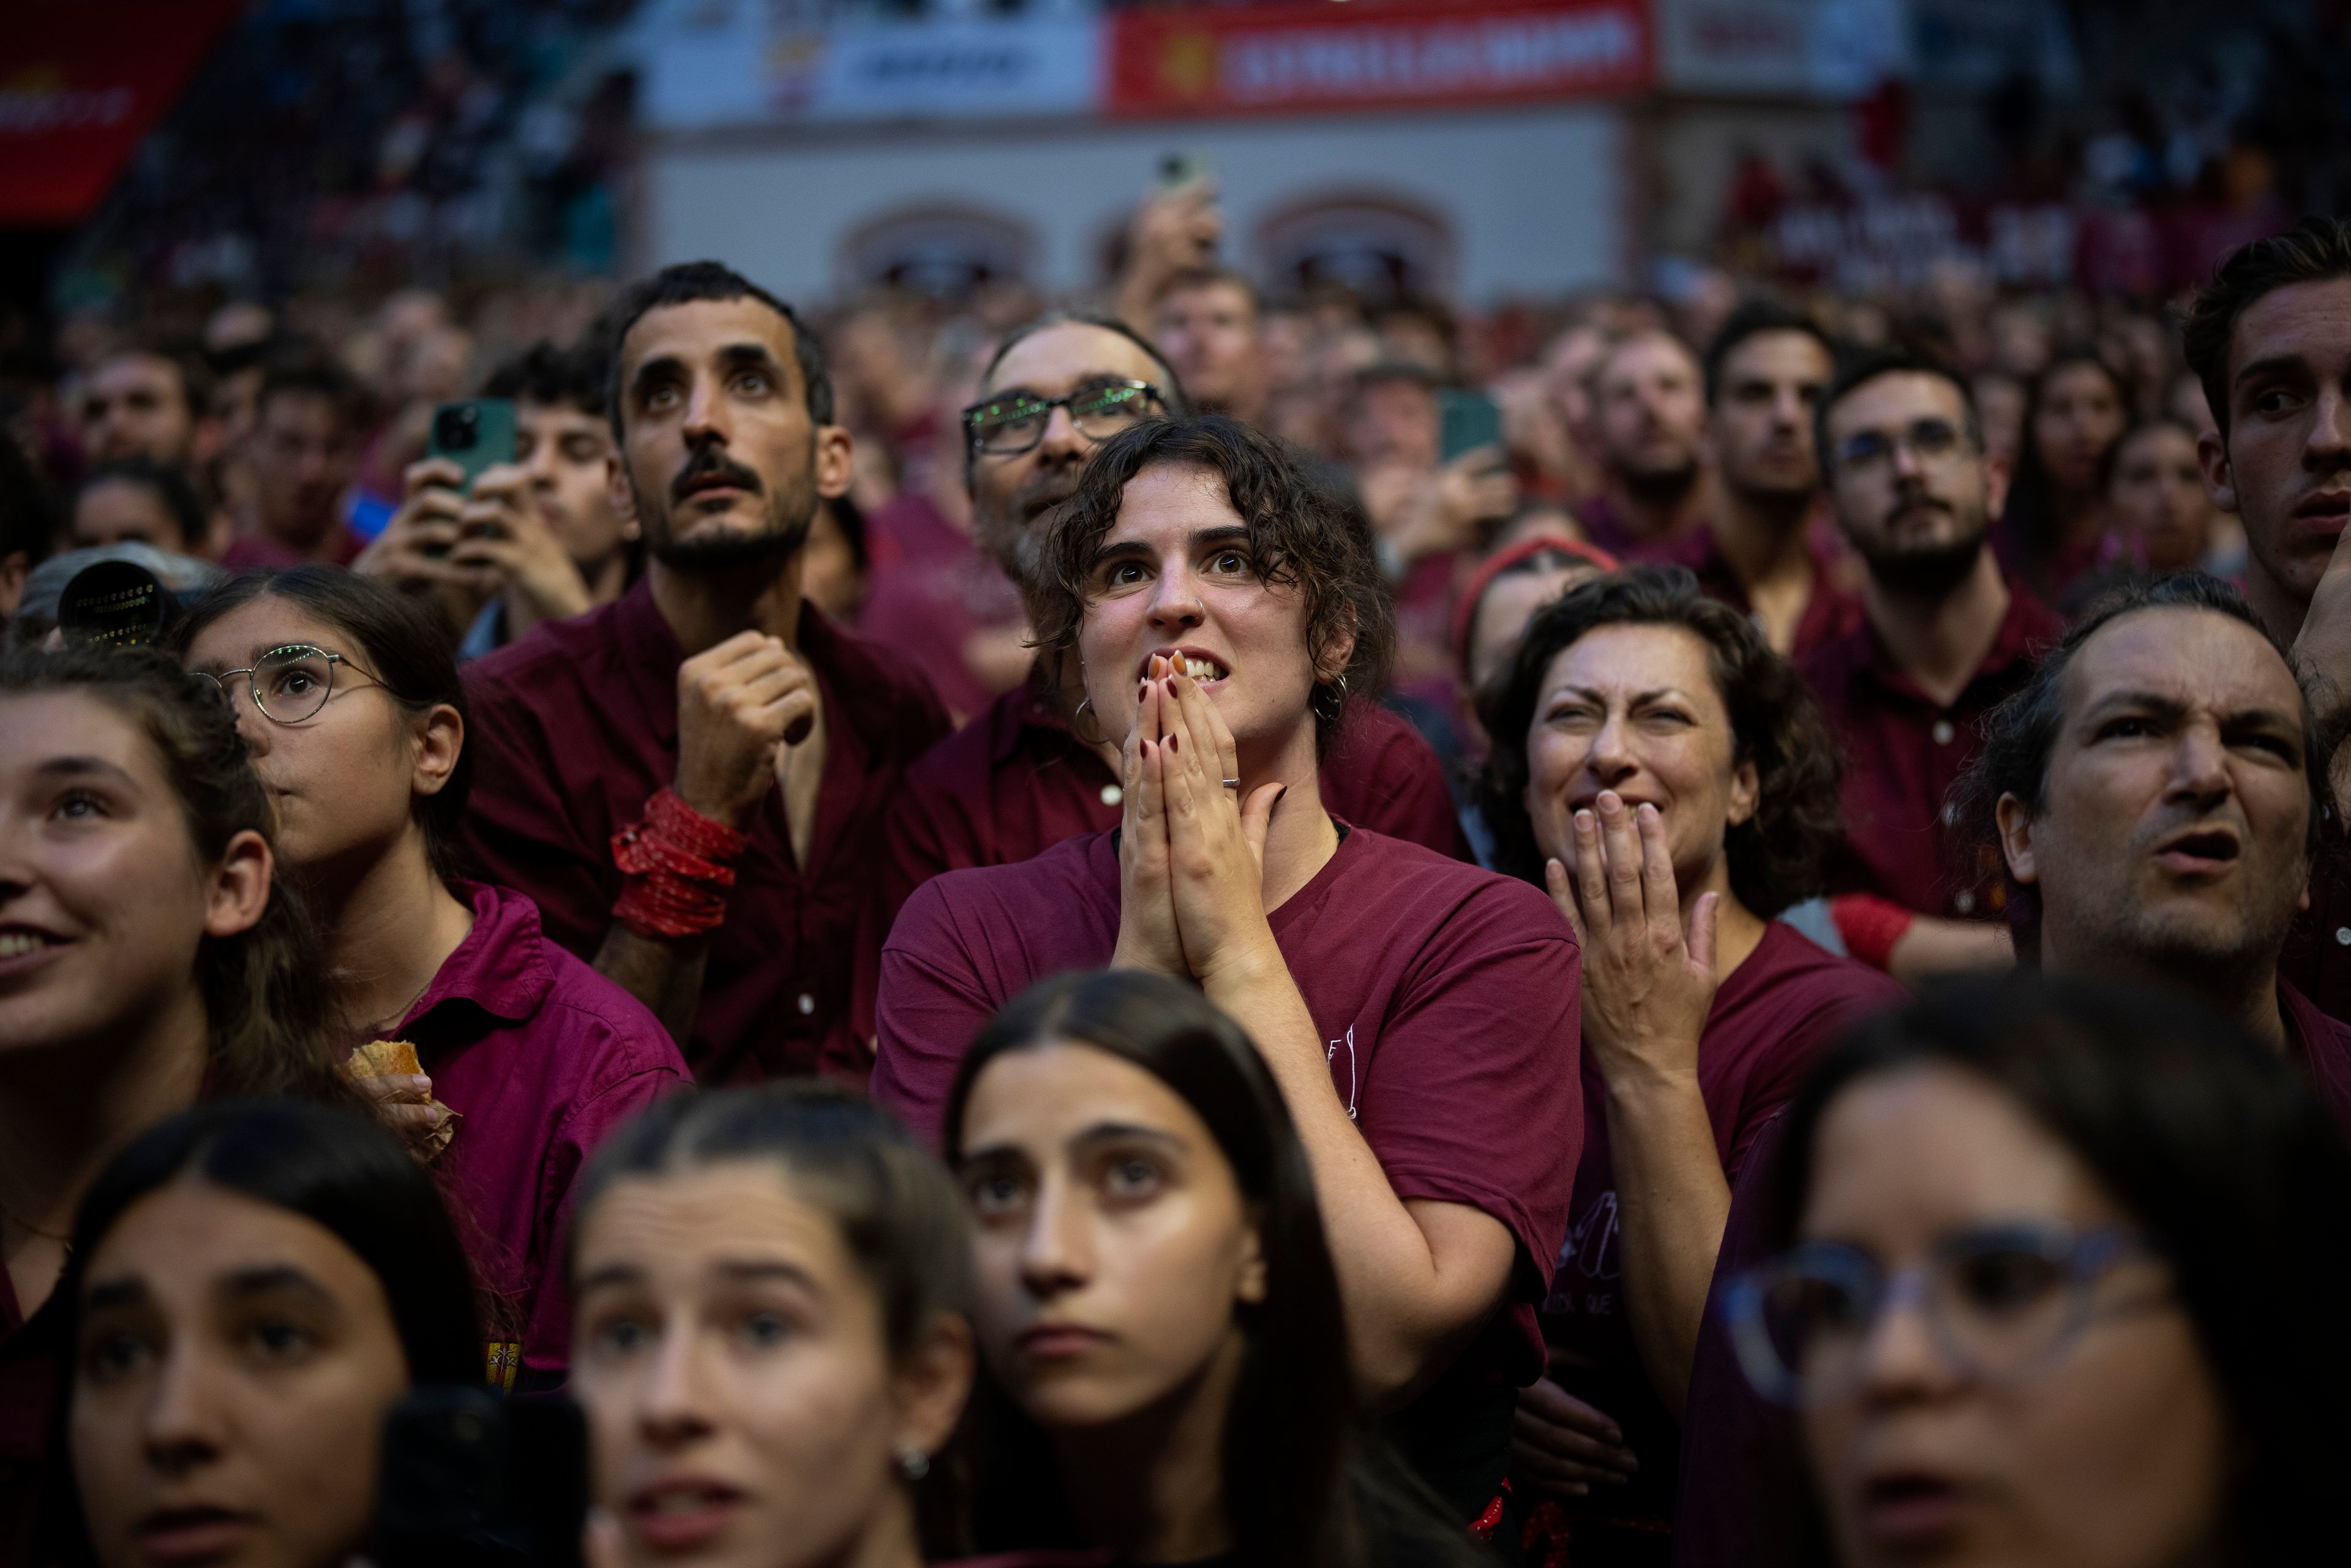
{"x": 675, "y": 861}
{"x": 1870, "y": 925}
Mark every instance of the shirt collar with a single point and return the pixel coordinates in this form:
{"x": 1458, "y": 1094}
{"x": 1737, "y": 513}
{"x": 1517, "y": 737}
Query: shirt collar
{"x": 2024, "y": 630}
{"x": 650, "y": 651}
{"x": 500, "y": 967}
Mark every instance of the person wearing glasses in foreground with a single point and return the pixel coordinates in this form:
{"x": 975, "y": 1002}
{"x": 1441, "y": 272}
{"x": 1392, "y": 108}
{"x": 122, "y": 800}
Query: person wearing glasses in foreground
{"x": 1944, "y": 635}
{"x": 774, "y": 1338}
{"x": 1038, "y": 766}
{"x": 254, "y": 1284}
{"x": 1154, "y": 1298}
{"x": 1418, "y": 1014}
{"x": 1666, "y": 775}
{"x": 347, "y": 695}
{"x": 2056, "y": 1280}
{"x": 149, "y": 958}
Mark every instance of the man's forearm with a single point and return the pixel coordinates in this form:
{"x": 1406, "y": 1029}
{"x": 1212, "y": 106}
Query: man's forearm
{"x": 664, "y": 973}
{"x": 1672, "y": 1201}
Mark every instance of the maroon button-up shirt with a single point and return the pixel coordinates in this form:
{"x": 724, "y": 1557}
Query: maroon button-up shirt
{"x": 1014, "y": 782}
{"x": 33, "y": 1361}
{"x": 541, "y": 1056}
{"x": 577, "y": 727}
{"x": 932, "y": 589}
{"x": 1830, "y": 612}
{"x": 1903, "y": 753}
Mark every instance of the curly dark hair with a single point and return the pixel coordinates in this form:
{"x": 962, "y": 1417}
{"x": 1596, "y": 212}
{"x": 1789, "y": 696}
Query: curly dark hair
{"x": 2316, "y": 250}
{"x": 2021, "y": 734}
{"x": 1777, "y": 855}
{"x": 1303, "y": 533}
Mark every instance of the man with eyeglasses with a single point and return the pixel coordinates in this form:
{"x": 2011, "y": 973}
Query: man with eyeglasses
{"x": 1943, "y": 637}
{"x": 691, "y": 779}
{"x": 1029, "y": 770}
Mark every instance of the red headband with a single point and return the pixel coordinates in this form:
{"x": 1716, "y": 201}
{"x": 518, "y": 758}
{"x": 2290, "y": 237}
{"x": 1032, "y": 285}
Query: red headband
{"x": 1464, "y": 610}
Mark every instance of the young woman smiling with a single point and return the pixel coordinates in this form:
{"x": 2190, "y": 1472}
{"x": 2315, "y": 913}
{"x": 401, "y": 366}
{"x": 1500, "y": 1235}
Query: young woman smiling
{"x": 1417, "y": 1013}
{"x": 1667, "y": 776}
{"x": 254, "y": 1285}
{"x": 1155, "y": 1300}
{"x": 146, "y": 960}
{"x": 772, "y": 1341}
{"x": 347, "y": 695}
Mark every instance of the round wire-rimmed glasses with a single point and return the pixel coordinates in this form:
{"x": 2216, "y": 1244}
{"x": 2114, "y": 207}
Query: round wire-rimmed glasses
{"x": 2002, "y": 1301}
{"x": 288, "y": 685}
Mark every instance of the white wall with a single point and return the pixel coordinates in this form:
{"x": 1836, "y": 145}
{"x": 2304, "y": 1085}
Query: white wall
{"x": 1536, "y": 197}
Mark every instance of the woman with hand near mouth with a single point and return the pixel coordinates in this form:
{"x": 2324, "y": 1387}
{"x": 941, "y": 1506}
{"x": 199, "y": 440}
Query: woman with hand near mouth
{"x": 1154, "y": 1298}
{"x": 1667, "y": 776}
{"x": 254, "y": 1284}
{"x": 2062, "y": 1287}
{"x": 772, "y": 1343}
{"x": 348, "y": 697}
{"x": 1417, "y": 1013}
{"x": 147, "y": 960}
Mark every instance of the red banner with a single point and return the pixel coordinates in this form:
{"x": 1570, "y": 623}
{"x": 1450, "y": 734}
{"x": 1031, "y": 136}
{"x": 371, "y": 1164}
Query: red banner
{"x": 1263, "y": 60}
{"x": 81, "y": 82}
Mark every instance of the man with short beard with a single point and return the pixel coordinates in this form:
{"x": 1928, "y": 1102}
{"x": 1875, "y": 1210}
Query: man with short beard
{"x": 1030, "y": 770}
{"x": 691, "y": 779}
{"x": 1943, "y": 638}
{"x": 2157, "y": 790}
{"x": 1765, "y": 371}
{"x": 1649, "y": 416}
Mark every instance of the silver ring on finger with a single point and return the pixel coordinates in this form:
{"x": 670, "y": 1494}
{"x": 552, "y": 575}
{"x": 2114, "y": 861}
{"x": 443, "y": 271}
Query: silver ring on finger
{"x": 1232, "y": 783}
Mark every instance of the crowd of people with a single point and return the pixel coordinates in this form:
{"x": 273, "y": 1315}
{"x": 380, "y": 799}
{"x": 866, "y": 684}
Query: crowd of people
{"x": 1208, "y": 932}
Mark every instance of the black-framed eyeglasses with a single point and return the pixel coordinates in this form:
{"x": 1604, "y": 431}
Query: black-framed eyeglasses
{"x": 1926, "y": 438}
{"x": 289, "y": 684}
{"x": 2003, "y": 1303}
{"x": 1006, "y": 426}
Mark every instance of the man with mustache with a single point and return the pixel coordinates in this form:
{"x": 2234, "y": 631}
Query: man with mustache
{"x": 2271, "y": 341}
{"x": 1031, "y": 769}
{"x": 2155, "y": 789}
{"x": 691, "y": 779}
{"x": 1942, "y": 638}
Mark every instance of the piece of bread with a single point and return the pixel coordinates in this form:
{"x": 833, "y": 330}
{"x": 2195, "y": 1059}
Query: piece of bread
{"x": 380, "y": 1058}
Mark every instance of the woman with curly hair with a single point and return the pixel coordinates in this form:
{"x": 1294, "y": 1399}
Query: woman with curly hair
{"x": 1668, "y": 777}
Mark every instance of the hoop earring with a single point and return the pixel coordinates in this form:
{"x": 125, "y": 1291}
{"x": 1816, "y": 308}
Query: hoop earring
{"x": 1338, "y": 694}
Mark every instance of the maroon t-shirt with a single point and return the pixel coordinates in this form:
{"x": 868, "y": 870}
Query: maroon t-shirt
{"x": 1903, "y": 752}
{"x": 1447, "y": 997}
{"x": 541, "y": 1056}
{"x": 1014, "y": 782}
{"x": 33, "y": 1358}
{"x": 576, "y": 727}
{"x": 1771, "y": 1018}
{"x": 932, "y": 589}
{"x": 1831, "y": 611}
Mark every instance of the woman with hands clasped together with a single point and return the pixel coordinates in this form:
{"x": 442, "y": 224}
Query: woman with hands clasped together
{"x": 1667, "y": 776}
{"x": 1418, "y": 1014}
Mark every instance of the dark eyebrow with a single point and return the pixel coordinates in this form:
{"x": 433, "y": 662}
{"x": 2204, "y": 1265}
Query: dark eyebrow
{"x": 1127, "y": 1132}
{"x": 611, "y": 1274}
{"x": 108, "y": 1295}
{"x": 659, "y": 366}
{"x": 2273, "y": 365}
{"x": 1655, "y": 695}
{"x": 747, "y": 1269}
{"x": 267, "y": 1277}
{"x": 748, "y": 354}
{"x": 1212, "y": 538}
{"x": 2168, "y": 708}
{"x": 79, "y": 766}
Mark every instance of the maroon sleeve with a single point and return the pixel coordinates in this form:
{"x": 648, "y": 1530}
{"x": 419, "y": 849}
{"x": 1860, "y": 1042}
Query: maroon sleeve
{"x": 933, "y": 1000}
{"x": 1843, "y": 995}
{"x": 1476, "y": 1095}
{"x": 518, "y": 826}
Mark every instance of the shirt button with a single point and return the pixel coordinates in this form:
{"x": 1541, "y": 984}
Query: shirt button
{"x": 1941, "y": 732}
{"x": 1112, "y": 794}
{"x": 2342, "y": 936}
{"x": 808, "y": 1003}
{"x": 1965, "y": 902}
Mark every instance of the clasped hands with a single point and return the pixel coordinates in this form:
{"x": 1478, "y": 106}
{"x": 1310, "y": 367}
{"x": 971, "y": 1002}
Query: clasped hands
{"x": 1191, "y": 850}
{"x": 1649, "y": 975}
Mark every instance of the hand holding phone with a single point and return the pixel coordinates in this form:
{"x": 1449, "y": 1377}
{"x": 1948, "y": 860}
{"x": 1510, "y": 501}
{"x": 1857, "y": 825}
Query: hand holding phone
{"x": 474, "y": 434}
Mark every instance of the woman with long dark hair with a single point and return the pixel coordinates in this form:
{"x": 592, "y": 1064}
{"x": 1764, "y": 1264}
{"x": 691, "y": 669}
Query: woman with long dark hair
{"x": 254, "y": 1285}
{"x": 148, "y": 958}
{"x": 773, "y": 1345}
{"x": 2054, "y": 527}
{"x": 1666, "y": 775}
{"x": 525, "y": 1057}
{"x": 1155, "y": 1300}
{"x": 2059, "y": 1275}
{"x": 1419, "y": 1013}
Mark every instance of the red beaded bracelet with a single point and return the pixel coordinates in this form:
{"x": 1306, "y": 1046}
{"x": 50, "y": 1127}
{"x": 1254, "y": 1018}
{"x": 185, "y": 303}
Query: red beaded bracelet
{"x": 675, "y": 861}
{"x": 1870, "y": 925}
